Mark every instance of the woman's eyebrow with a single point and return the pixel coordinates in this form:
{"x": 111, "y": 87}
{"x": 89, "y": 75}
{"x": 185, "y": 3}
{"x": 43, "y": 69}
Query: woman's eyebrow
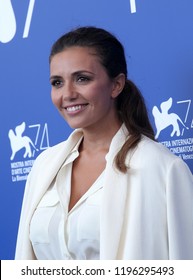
{"x": 55, "y": 77}
{"x": 81, "y": 72}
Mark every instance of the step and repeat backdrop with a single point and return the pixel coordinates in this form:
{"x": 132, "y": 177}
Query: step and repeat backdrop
{"x": 157, "y": 35}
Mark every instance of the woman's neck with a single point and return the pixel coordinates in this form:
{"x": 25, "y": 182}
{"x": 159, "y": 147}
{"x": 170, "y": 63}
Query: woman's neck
{"x": 99, "y": 139}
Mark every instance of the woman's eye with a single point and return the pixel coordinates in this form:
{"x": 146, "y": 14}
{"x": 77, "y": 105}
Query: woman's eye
{"x": 82, "y": 79}
{"x": 56, "y": 83}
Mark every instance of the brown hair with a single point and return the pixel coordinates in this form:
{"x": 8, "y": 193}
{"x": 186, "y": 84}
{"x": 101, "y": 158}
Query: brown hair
{"x": 130, "y": 103}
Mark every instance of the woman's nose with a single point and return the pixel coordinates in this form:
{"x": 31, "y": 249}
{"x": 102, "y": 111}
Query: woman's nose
{"x": 69, "y": 92}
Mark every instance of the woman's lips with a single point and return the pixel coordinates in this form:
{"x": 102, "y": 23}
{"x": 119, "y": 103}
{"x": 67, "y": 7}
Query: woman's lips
{"x": 75, "y": 108}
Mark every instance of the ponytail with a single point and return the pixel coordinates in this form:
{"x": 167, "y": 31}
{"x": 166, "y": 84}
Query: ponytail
{"x": 133, "y": 113}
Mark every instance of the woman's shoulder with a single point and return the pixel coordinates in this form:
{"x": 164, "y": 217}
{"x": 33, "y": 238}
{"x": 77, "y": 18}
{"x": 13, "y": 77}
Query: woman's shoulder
{"x": 152, "y": 157}
{"x": 51, "y": 151}
{"x": 150, "y": 145}
{"x": 153, "y": 152}
{"x": 60, "y": 148}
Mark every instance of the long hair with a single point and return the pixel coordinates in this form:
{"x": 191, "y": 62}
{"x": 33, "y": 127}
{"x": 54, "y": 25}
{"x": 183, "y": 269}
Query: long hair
{"x": 130, "y": 103}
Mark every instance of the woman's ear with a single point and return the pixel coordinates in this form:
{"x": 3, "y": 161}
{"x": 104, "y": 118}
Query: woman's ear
{"x": 119, "y": 83}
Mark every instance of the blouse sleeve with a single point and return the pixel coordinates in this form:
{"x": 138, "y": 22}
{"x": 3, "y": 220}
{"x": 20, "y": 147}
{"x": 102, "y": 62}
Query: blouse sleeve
{"x": 180, "y": 211}
{"x": 24, "y": 249}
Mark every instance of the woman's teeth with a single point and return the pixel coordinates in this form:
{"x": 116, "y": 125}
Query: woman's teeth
{"x": 75, "y": 108}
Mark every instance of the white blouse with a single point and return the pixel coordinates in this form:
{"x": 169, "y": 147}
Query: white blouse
{"x": 58, "y": 234}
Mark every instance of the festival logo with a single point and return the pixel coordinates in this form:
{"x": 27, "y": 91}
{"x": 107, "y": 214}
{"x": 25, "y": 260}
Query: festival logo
{"x": 164, "y": 119}
{"x": 175, "y": 127}
{"x": 26, "y": 143}
{"x": 8, "y": 22}
{"x": 18, "y": 141}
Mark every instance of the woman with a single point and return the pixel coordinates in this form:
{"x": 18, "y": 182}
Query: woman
{"x": 109, "y": 191}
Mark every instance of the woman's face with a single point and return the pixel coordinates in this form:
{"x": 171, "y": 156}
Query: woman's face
{"x": 81, "y": 88}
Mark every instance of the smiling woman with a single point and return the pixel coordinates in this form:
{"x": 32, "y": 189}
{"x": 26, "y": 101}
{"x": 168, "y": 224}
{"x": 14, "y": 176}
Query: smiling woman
{"x": 109, "y": 191}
